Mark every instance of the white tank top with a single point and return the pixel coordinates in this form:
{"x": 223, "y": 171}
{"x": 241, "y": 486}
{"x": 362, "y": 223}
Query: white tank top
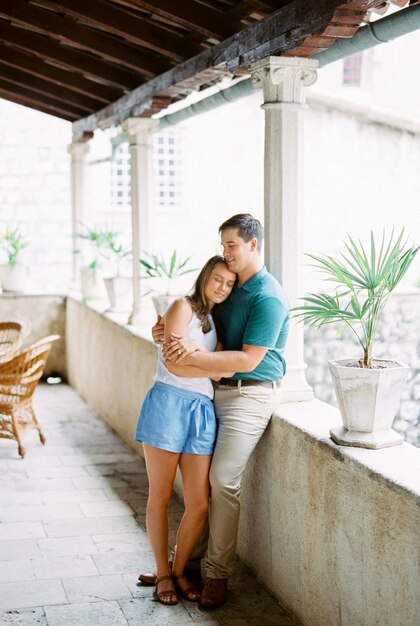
{"x": 200, "y": 385}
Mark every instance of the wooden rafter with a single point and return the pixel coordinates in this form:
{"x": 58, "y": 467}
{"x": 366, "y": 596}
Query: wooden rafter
{"x": 191, "y": 15}
{"x": 65, "y": 29}
{"x": 134, "y": 29}
{"x": 37, "y": 67}
{"x": 57, "y": 92}
{"x": 38, "y": 106}
{"x": 72, "y": 59}
{"x": 29, "y": 97}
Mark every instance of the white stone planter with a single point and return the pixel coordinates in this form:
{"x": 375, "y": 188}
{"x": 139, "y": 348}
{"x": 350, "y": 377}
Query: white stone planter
{"x": 163, "y": 302}
{"x": 14, "y": 277}
{"x": 91, "y": 283}
{"x": 119, "y": 289}
{"x": 368, "y": 400}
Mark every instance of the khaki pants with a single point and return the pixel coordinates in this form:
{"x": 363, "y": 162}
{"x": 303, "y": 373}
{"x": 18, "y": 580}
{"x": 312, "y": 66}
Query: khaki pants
{"x": 243, "y": 415}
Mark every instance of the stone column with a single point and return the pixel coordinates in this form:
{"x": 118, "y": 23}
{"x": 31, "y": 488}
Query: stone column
{"x": 283, "y": 81}
{"x": 78, "y": 151}
{"x": 140, "y": 132}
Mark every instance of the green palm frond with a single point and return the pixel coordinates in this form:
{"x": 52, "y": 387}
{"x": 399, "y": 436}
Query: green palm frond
{"x": 364, "y": 280}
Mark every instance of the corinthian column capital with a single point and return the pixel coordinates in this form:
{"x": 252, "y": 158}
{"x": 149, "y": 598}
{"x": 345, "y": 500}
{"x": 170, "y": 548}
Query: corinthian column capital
{"x": 283, "y": 79}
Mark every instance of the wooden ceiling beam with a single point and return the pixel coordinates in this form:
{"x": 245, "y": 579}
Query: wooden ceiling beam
{"x": 28, "y": 97}
{"x": 191, "y": 15}
{"x": 22, "y": 78}
{"x": 134, "y": 29}
{"x": 66, "y": 29}
{"x": 74, "y": 60}
{"x": 36, "y": 67}
{"x": 12, "y": 97}
{"x": 283, "y": 30}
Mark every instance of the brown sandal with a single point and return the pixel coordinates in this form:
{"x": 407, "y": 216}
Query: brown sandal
{"x": 168, "y": 593}
{"x": 191, "y": 593}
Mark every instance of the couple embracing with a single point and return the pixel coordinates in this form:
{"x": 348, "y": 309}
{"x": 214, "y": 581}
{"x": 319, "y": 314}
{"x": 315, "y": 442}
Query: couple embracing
{"x": 231, "y": 329}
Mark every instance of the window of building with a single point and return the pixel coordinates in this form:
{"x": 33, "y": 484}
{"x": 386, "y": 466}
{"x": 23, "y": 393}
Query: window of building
{"x": 352, "y": 70}
{"x": 120, "y": 176}
{"x": 168, "y": 171}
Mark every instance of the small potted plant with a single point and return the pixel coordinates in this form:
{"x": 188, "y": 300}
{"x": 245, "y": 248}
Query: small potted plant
{"x": 118, "y": 286}
{"x": 166, "y": 271}
{"x": 90, "y": 277}
{"x": 14, "y": 272}
{"x": 107, "y": 253}
{"x": 368, "y": 390}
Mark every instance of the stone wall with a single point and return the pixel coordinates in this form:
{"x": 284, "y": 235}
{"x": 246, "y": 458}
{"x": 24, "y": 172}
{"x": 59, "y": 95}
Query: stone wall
{"x": 35, "y": 192}
{"x": 46, "y": 315}
{"x": 398, "y": 337}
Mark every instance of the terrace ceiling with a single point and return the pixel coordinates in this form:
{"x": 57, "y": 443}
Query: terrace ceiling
{"x": 96, "y": 61}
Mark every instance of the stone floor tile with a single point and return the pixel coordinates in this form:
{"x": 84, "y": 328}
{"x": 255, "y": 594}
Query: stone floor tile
{"x": 45, "y": 484}
{"x": 121, "y": 563}
{"x": 13, "y": 474}
{"x": 7, "y": 486}
{"x": 88, "y": 614}
{"x": 64, "y": 566}
{"x": 146, "y": 611}
{"x": 32, "y": 593}
{"x": 256, "y": 603}
{"x": 76, "y": 496}
{"x": 24, "y": 617}
{"x": 71, "y": 471}
{"x": 105, "y": 509}
{"x": 94, "y": 588}
{"x": 116, "y": 457}
{"x": 121, "y": 542}
{"x": 16, "y": 570}
{"x": 91, "y": 526}
{"x": 19, "y": 549}
{"x": 20, "y": 498}
{"x": 31, "y": 463}
{"x": 21, "y": 530}
{"x": 138, "y": 590}
{"x": 100, "y": 482}
{"x": 67, "y": 546}
{"x": 41, "y": 513}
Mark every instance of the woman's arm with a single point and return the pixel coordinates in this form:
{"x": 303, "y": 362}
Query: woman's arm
{"x": 177, "y": 321}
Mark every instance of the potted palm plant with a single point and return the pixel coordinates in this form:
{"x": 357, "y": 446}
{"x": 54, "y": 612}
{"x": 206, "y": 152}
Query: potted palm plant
{"x": 368, "y": 390}
{"x": 166, "y": 271}
{"x": 14, "y": 273}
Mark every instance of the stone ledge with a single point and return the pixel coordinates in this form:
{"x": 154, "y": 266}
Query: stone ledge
{"x": 397, "y": 467}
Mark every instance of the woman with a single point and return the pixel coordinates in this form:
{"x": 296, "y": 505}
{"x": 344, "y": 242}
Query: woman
{"x": 177, "y": 426}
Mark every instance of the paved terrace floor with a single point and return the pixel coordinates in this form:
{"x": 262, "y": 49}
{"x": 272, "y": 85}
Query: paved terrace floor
{"x": 72, "y": 532}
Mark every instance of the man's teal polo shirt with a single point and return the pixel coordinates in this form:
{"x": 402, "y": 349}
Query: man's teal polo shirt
{"x": 257, "y": 314}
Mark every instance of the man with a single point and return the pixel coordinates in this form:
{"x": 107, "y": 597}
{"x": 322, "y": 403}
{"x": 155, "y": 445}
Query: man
{"x": 254, "y": 323}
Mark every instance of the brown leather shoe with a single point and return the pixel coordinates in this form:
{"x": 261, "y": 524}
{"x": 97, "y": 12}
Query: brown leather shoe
{"x": 214, "y": 592}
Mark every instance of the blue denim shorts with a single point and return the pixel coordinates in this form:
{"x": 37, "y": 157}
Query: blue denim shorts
{"x": 177, "y": 420}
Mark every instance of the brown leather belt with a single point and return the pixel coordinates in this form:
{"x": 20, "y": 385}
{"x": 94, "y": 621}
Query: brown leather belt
{"x": 229, "y": 382}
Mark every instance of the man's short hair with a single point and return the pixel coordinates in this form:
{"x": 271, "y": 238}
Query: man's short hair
{"x": 248, "y": 226}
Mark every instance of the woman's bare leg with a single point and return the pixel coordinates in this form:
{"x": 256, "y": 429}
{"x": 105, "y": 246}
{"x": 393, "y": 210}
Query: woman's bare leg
{"x": 161, "y": 468}
{"x": 195, "y": 477}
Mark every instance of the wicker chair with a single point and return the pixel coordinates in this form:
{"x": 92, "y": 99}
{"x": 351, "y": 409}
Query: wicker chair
{"x": 18, "y": 380}
{"x": 11, "y": 335}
